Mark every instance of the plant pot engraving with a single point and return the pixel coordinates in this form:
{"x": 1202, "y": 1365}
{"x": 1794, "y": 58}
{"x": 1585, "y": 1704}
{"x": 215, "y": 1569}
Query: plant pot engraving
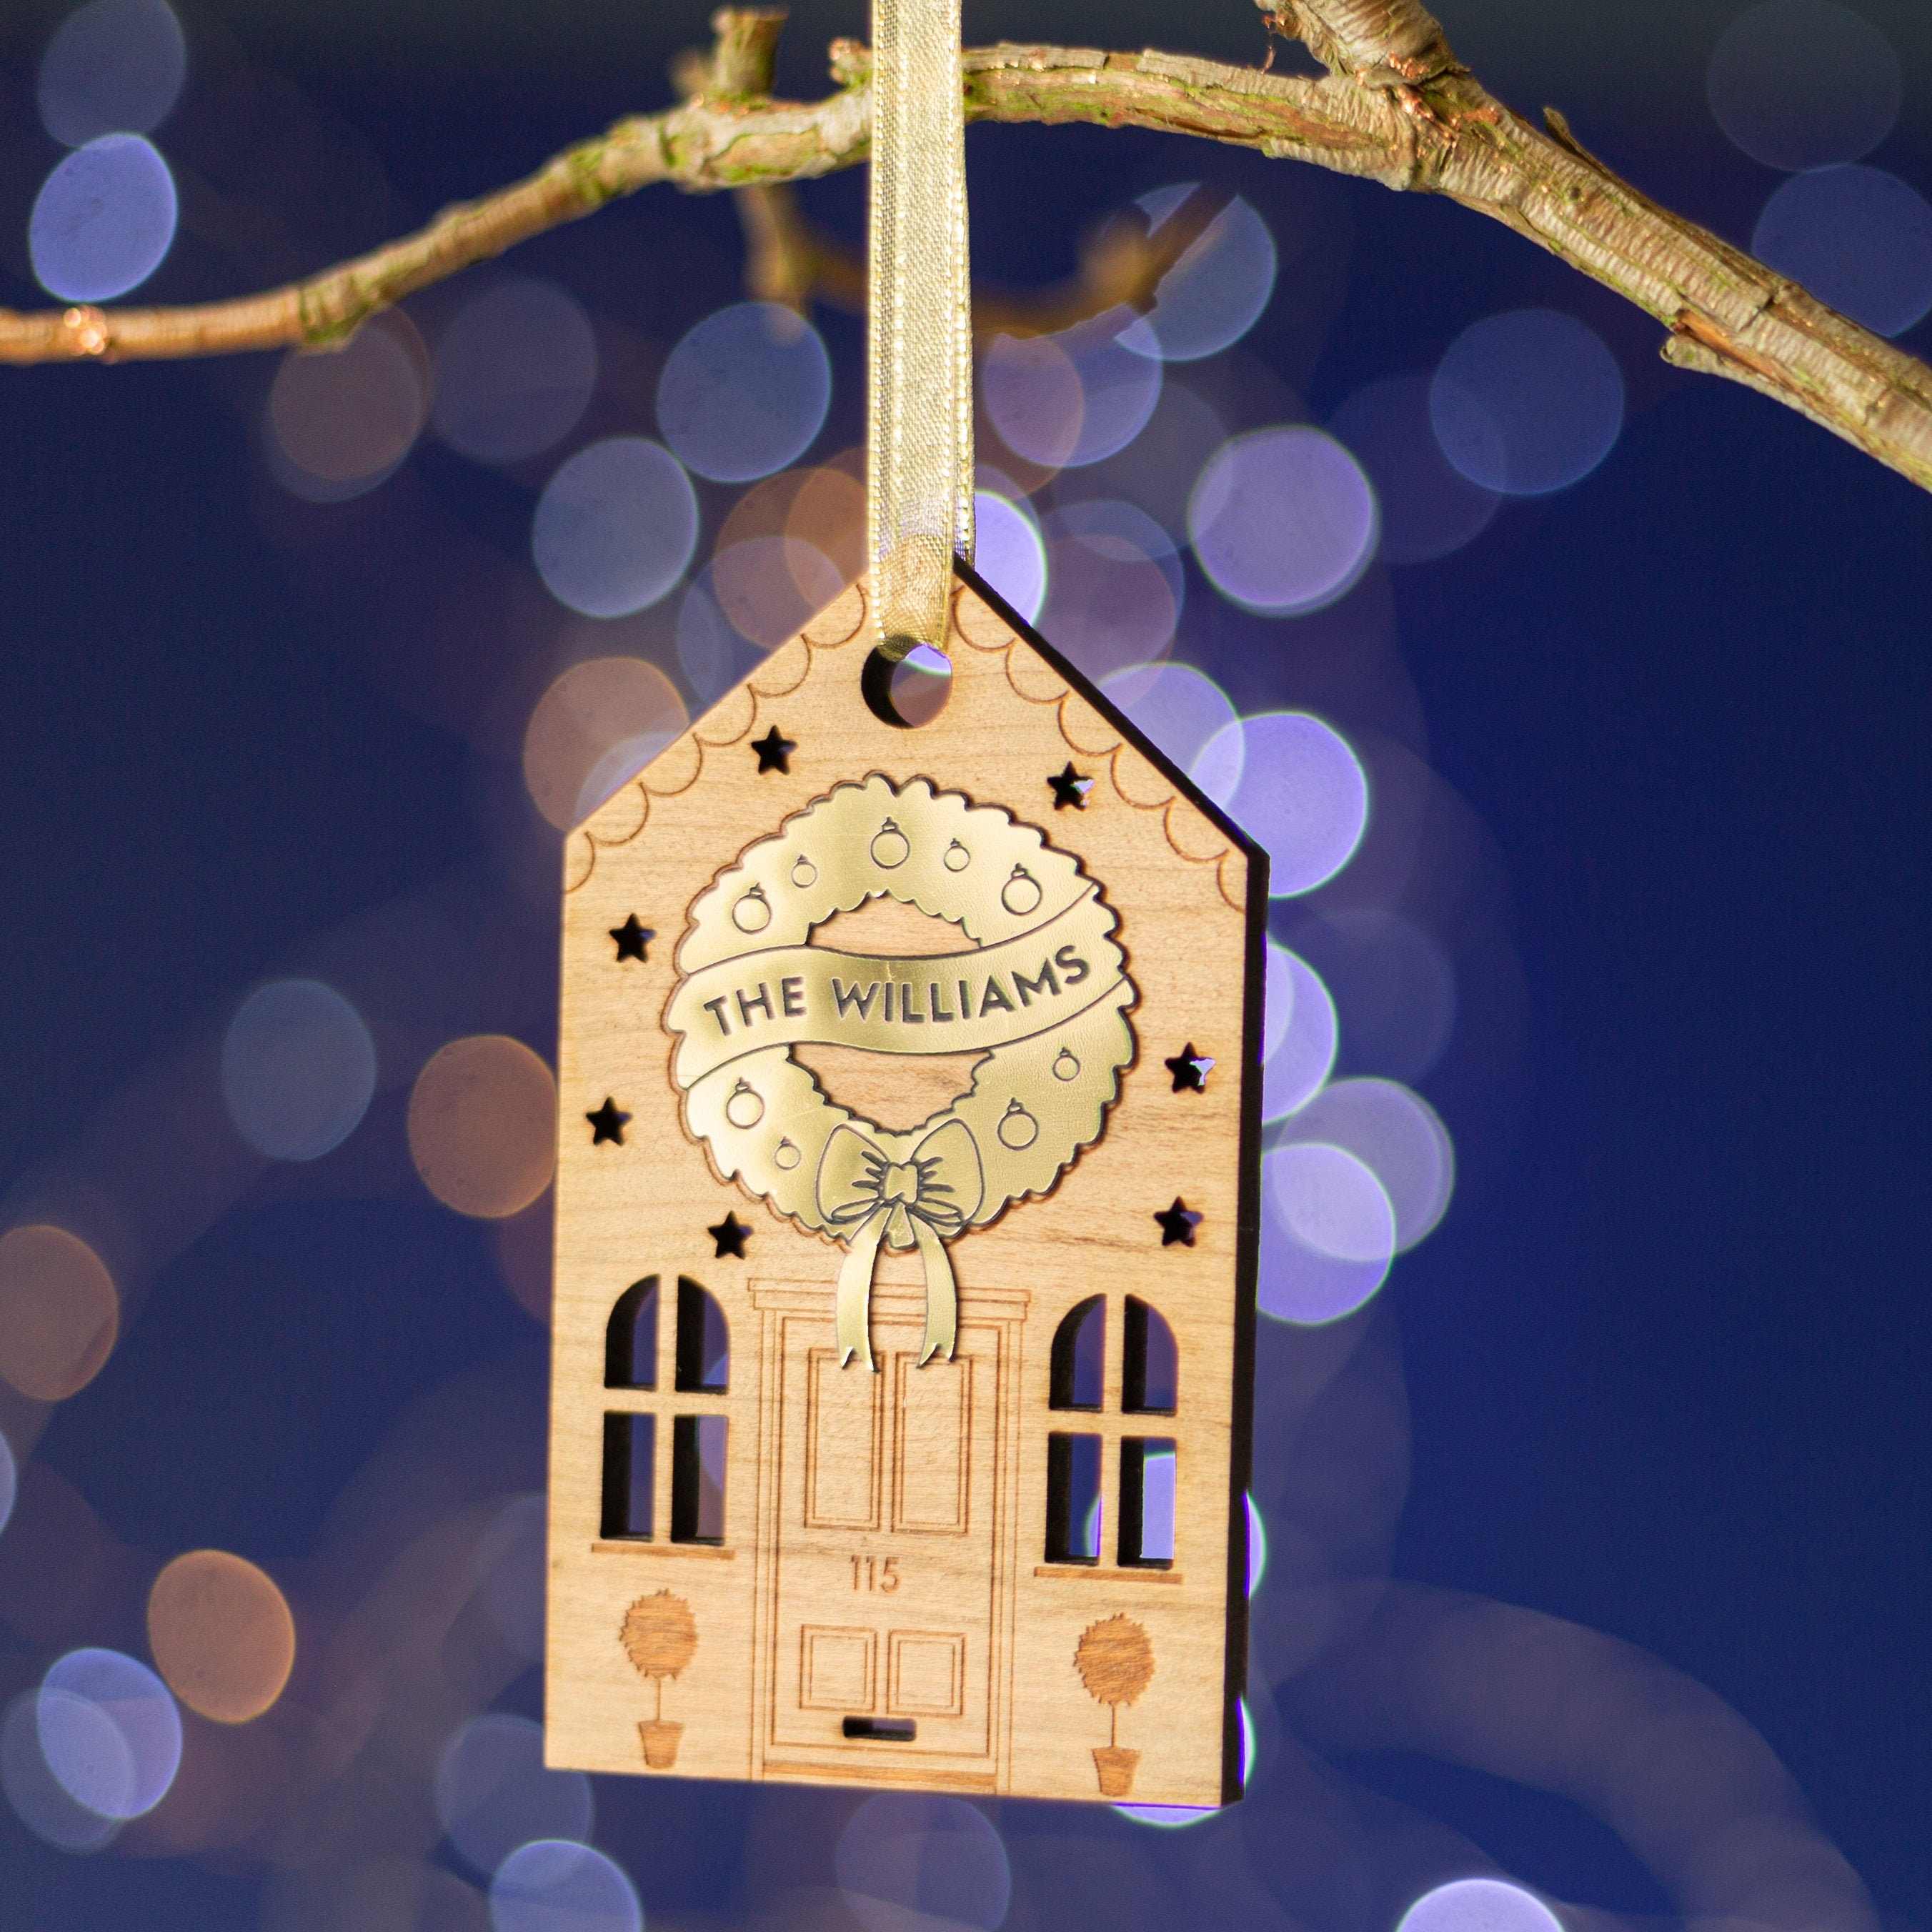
{"x": 1116, "y": 1767}
{"x": 660, "y": 1740}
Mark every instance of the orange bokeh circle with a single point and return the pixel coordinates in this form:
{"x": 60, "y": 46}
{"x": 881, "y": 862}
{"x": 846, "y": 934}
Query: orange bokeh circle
{"x": 483, "y": 1125}
{"x": 222, "y": 1635}
{"x": 59, "y": 1315}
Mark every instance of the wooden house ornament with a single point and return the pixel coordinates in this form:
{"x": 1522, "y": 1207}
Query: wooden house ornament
{"x": 907, "y": 1217}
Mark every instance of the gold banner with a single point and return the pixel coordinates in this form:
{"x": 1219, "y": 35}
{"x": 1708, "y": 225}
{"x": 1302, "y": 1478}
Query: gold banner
{"x": 950, "y": 1002}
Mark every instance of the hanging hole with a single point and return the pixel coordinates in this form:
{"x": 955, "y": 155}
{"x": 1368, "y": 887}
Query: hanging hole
{"x": 910, "y": 692}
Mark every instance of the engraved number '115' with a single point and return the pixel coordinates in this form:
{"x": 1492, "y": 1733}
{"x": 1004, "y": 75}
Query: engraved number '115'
{"x": 872, "y": 1573}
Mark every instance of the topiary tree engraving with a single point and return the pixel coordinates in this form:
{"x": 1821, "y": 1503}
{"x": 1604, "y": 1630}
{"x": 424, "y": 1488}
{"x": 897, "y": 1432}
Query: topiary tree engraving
{"x": 1115, "y": 1659}
{"x": 660, "y": 1637}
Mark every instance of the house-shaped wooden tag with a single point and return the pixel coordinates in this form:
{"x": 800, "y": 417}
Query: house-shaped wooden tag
{"x": 907, "y": 1218}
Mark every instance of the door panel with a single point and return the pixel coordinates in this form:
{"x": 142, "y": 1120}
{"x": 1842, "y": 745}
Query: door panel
{"x": 885, "y": 1583}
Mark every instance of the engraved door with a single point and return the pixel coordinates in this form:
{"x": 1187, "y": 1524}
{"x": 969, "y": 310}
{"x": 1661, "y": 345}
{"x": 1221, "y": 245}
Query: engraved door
{"x": 887, "y": 1633}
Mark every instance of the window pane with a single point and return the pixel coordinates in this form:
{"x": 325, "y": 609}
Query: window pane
{"x": 1073, "y": 1498}
{"x": 631, "y": 1341}
{"x": 1079, "y": 1365}
{"x": 1149, "y": 1367}
{"x": 703, "y": 1342}
{"x": 1147, "y": 1501}
{"x": 630, "y": 1471}
{"x": 697, "y": 1479}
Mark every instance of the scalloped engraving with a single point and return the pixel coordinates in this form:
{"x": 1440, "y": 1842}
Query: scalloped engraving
{"x": 1140, "y": 781}
{"x": 840, "y": 622}
{"x": 730, "y": 719}
{"x": 784, "y": 671}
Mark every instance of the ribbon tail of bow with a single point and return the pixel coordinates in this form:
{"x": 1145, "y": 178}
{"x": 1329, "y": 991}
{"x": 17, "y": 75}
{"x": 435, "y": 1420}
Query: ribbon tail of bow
{"x": 855, "y": 1288}
{"x": 942, "y": 1295}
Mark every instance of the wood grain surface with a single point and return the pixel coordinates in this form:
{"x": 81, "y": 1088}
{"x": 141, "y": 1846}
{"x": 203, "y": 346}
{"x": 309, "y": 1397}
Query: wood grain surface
{"x": 875, "y": 1600}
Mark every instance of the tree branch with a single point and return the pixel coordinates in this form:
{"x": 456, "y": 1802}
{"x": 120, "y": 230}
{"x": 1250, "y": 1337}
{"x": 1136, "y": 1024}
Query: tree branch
{"x": 1396, "y": 107}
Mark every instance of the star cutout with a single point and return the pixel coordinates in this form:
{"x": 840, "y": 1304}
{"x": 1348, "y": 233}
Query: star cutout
{"x": 730, "y": 1234}
{"x": 631, "y": 939}
{"x": 1178, "y": 1223}
{"x": 1070, "y": 787}
{"x": 1190, "y": 1070}
{"x": 773, "y": 752}
{"x": 607, "y": 1123}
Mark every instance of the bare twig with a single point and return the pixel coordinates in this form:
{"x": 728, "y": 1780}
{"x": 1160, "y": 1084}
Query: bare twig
{"x": 788, "y": 259}
{"x": 1396, "y": 107}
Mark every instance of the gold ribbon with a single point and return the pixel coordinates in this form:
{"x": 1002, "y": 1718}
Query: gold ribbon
{"x": 865, "y": 1197}
{"x": 919, "y": 418}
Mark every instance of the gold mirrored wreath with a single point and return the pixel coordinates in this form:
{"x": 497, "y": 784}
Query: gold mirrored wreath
{"x": 1044, "y": 993}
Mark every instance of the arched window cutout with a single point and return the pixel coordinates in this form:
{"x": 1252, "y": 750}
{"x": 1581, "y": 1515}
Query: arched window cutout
{"x": 631, "y": 1341}
{"x": 1151, "y": 1364}
{"x": 703, "y": 1342}
{"x": 1079, "y": 1377}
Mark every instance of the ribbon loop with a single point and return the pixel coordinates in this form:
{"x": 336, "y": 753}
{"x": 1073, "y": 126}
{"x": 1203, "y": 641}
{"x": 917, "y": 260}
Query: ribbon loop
{"x": 920, "y": 420}
{"x": 865, "y": 1197}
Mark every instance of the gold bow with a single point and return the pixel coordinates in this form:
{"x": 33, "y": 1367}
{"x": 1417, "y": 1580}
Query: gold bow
{"x": 865, "y": 1197}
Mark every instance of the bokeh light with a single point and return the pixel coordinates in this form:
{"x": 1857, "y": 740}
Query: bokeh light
{"x": 1527, "y": 403}
{"x": 1180, "y": 708}
{"x": 1859, "y": 238}
{"x": 512, "y": 1571}
{"x": 1031, "y": 391}
{"x": 103, "y": 221}
{"x": 1283, "y": 520}
{"x": 343, "y": 420}
{"x": 594, "y": 729}
{"x": 1156, "y": 471}
{"x": 769, "y": 587}
{"x": 109, "y": 1731}
{"x": 1479, "y": 1905}
{"x": 1075, "y": 397}
{"x": 1328, "y": 1234}
{"x": 9, "y": 1482}
{"x": 906, "y": 1862}
{"x": 615, "y": 527}
{"x": 298, "y": 1069}
{"x": 820, "y": 513}
{"x": 745, "y": 392}
{"x": 482, "y": 1125}
{"x": 1800, "y": 84}
{"x": 39, "y": 1800}
{"x": 59, "y": 1313}
{"x": 514, "y": 370}
{"x": 1113, "y": 587}
{"x": 712, "y": 652}
{"x": 112, "y": 66}
{"x": 1428, "y": 507}
{"x": 1300, "y": 1035}
{"x": 493, "y": 1793}
{"x": 1397, "y": 1135}
{"x": 221, "y": 1634}
{"x": 1114, "y": 357}
{"x": 556, "y": 1885}
{"x": 1215, "y": 293}
{"x": 1009, "y": 553}
{"x": 1257, "y": 1546}
{"x": 1394, "y": 984}
{"x": 1297, "y": 789}
{"x": 828, "y": 513}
